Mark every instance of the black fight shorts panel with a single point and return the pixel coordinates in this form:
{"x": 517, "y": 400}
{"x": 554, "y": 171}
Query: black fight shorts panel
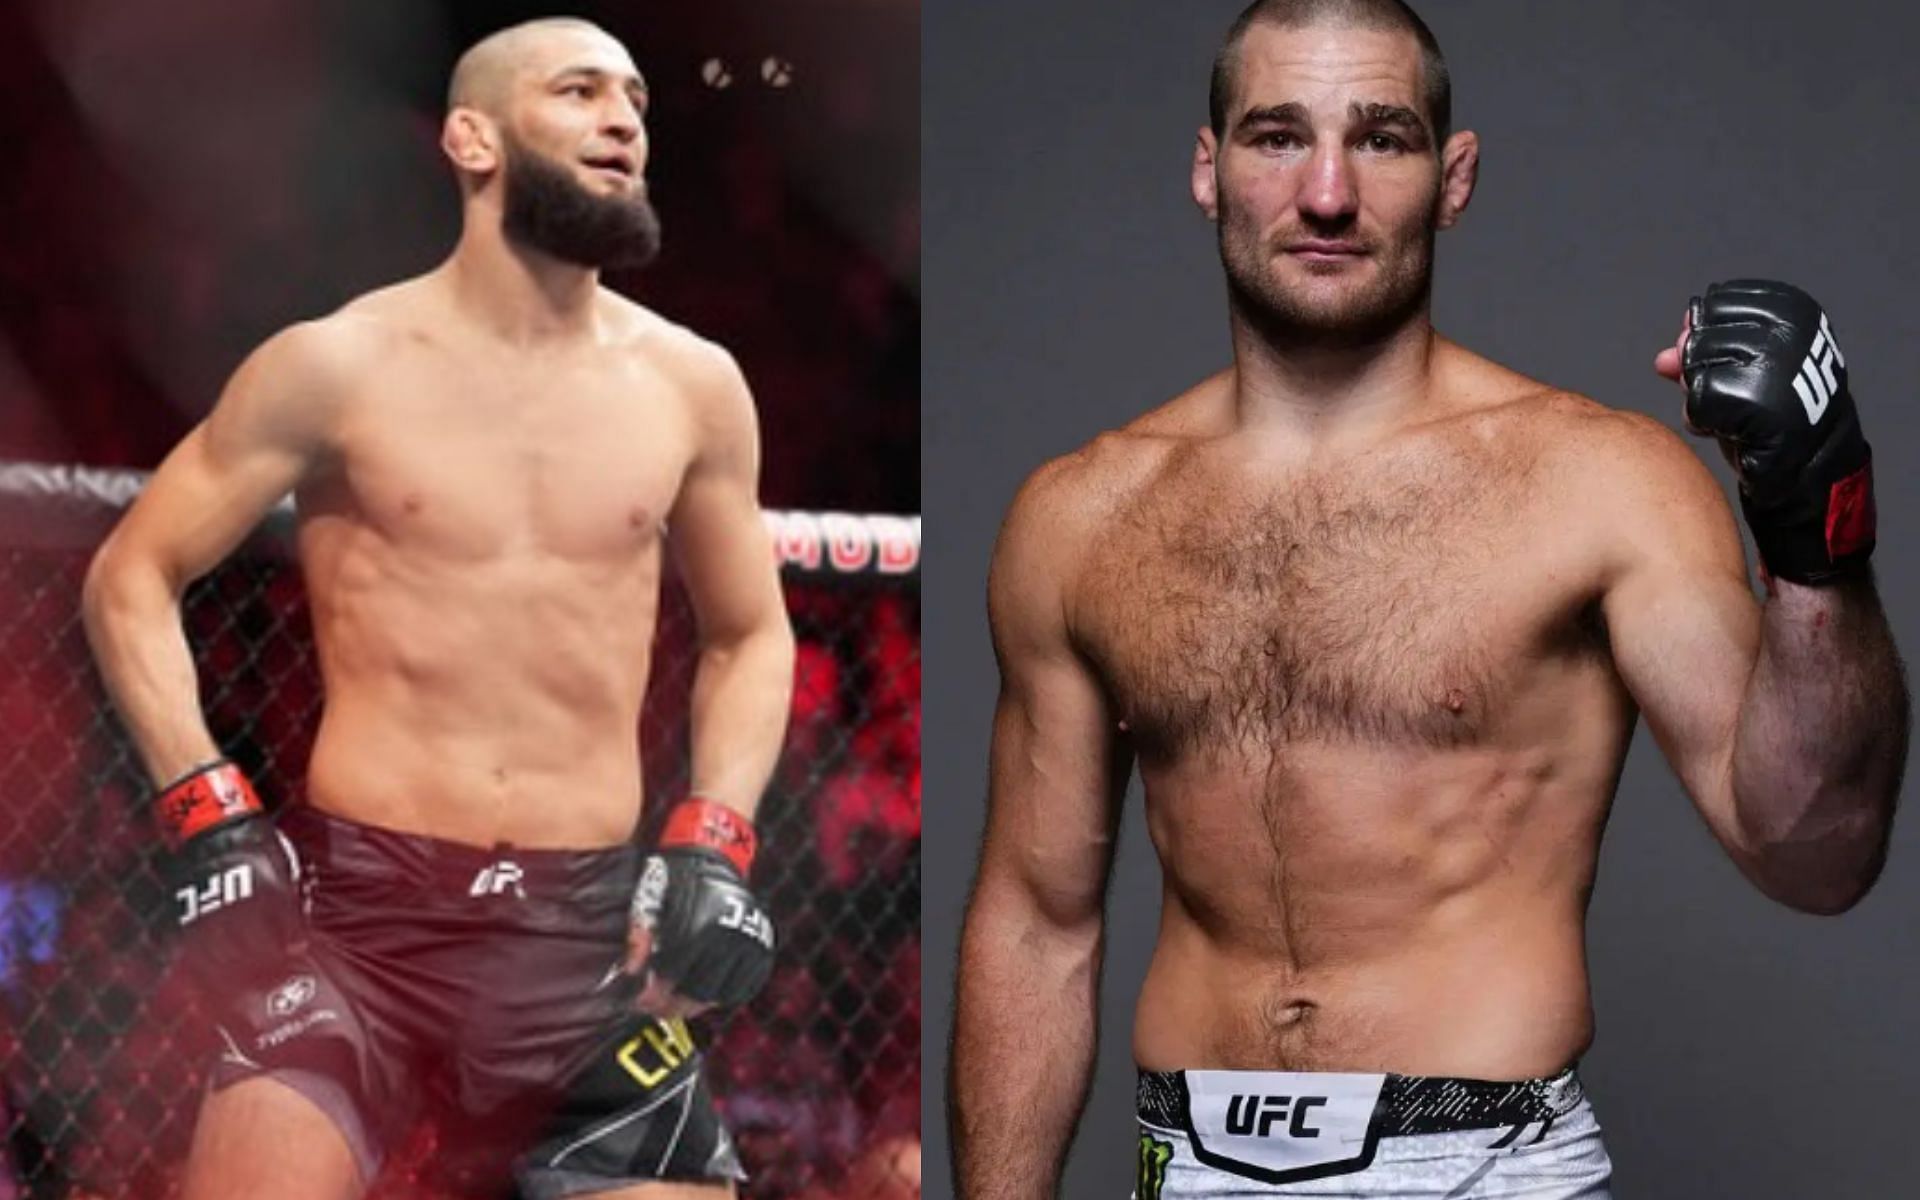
{"x": 479, "y": 987}
{"x": 640, "y": 1110}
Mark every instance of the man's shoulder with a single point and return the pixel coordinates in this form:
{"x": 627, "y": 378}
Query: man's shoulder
{"x": 1099, "y": 478}
{"x": 1627, "y": 477}
{"x": 362, "y": 333}
{"x": 1562, "y": 426}
{"x": 654, "y": 342}
{"x": 321, "y": 356}
{"x": 1080, "y": 488}
{"x": 1074, "y": 502}
{"x": 416, "y": 304}
{"x": 1580, "y": 437}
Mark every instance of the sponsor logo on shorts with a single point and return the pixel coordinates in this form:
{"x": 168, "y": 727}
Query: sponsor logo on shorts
{"x": 291, "y": 996}
{"x": 496, "y": 879}
{"x": 1154, "y": 1157}
{"x": 1280, "y": 1126}
{"x": 1816, "y": 384}
{"x": 651, "y": 1055}
{"x": 1257, "y": 1115}
{"x": 281, "y": 1034}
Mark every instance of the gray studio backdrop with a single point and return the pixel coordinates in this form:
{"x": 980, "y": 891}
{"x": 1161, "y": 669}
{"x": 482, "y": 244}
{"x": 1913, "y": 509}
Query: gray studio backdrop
{"x": 1633, "y": 151}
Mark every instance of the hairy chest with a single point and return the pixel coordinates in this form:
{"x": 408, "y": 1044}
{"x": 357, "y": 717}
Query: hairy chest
{"x": 464, "y": 462}
{"x": 1400, "y": 605}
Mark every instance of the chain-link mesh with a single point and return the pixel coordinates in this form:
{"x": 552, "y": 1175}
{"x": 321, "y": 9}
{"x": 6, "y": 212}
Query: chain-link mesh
{"x": 104, "y": 1045}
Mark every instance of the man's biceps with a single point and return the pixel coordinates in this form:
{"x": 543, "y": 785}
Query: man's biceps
{"x": 1688, "y": 686}
{"x": 1051, "y": 730}
{"x": 725, "y": 550}
{"x": 1066, "y": 704}
{"x": 1688, "y": 646}
{"x": 727, "y": 450}
{"x": 193, "y": 507}
{"x": 711, "y": 510}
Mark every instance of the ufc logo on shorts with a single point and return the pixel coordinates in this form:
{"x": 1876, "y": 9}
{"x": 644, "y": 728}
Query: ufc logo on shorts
{"x": 1816, "y": 382}
{"x": 750, "y": 921}
{"x": 1257, "y": 1115}
{"x": 228, "y": 887}
{"x": 494, "y": 880}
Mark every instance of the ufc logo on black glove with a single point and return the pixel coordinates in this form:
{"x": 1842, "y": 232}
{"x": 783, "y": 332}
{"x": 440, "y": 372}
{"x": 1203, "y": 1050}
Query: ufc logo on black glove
{"x": 228, "y": 887}
{"x": 1816, "y": 384}
{"x": 1758, "y": 357}
{"x": 746, "y": 916}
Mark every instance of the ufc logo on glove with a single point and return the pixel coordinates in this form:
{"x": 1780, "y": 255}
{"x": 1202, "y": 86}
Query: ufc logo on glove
{"x": 748, "y": 919}
{"x": 1816, "y": 384}
{"x": 228, "y": 887}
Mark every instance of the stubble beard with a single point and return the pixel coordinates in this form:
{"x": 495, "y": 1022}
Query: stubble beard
{"x": 1344, "y": 315}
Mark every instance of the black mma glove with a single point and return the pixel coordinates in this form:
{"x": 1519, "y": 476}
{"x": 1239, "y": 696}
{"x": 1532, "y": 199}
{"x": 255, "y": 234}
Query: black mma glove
{"x": 236, "y": 879}
{"x": 711, "y": 939}
{"x": 1764, "y": 376}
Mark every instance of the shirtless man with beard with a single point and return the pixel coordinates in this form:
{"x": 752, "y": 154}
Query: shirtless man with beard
{"x": 1374, "y": 617}
{"x": 485, "y": 460}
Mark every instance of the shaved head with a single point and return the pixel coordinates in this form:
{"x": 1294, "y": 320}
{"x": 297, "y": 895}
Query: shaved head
{"x": 482, "y": 76}
{"x": 533, "y": 107}
{"x": 1392, "y": 16}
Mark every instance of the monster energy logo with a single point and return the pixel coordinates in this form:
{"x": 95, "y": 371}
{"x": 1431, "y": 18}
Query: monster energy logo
{"x": 1154, "y": 1157}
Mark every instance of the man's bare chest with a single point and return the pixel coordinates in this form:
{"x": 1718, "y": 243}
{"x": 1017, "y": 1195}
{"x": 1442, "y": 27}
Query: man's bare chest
{"x": 476, "y": 464}
{"x": 1404, "y": 609}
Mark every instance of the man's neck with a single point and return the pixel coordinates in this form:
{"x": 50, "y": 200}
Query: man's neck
{"x": 519, "y": 294}
{"x": 1327, "y": 389}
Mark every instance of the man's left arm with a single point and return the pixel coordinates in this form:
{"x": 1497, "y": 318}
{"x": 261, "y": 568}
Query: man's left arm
{"x": 743, "y": 677}
{"x": 1787, "y": 721}
{"x": 699, "y": 930}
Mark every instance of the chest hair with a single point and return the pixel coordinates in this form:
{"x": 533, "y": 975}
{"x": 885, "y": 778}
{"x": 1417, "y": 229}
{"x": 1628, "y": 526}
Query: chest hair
{"x": 1337, "y": 607}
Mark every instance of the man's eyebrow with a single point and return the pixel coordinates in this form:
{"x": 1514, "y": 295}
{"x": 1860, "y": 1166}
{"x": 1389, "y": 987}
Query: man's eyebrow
{"x": 1386, "y": 114}
{"x": 635, "y": 82}
{"x": 1273, "y": 114}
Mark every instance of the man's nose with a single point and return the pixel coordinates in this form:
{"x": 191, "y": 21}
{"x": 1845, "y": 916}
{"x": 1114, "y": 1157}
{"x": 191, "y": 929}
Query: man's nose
{"x": 621, "y": 120}
{"x": 1329, "y": 192}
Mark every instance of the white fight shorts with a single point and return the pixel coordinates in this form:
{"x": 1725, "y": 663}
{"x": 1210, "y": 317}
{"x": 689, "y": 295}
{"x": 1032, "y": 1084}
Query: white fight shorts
{"x": 1223, "y": 1134}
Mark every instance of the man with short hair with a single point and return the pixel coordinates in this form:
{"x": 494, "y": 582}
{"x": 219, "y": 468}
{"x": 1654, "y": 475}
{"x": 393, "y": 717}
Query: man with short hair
{"x": 485, "y": 459}
{"x": 1374, "y": 617}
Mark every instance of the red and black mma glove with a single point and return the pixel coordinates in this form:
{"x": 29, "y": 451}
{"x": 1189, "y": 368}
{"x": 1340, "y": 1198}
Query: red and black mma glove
{"x": 1764, "y": 376}
{"x": 712, "y": 939}
{"x": 236, "y": 879}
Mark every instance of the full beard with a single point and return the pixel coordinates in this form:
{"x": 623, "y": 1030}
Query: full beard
{"x": 546, "y": 210}
{"x": 1286, "y": 315}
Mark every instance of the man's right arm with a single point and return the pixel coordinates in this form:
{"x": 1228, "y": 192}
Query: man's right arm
{"x": 1024, "y": 1024}
{"x": 269, "y": 429}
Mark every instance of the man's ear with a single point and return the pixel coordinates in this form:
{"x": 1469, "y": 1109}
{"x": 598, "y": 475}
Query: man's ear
{"x": 1459, "y": 171}
{"x": 471, "y": 141}
{"x": 1205, "y": 183}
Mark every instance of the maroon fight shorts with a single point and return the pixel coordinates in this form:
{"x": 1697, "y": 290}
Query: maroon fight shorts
{"x": 479, "y": 988}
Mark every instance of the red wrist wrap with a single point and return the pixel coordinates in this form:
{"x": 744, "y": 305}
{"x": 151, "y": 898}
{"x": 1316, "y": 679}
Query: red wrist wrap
{"x": 205, "y": 797}
{"x": 700, "y": 822}
{"x": 1850, "y": 514}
